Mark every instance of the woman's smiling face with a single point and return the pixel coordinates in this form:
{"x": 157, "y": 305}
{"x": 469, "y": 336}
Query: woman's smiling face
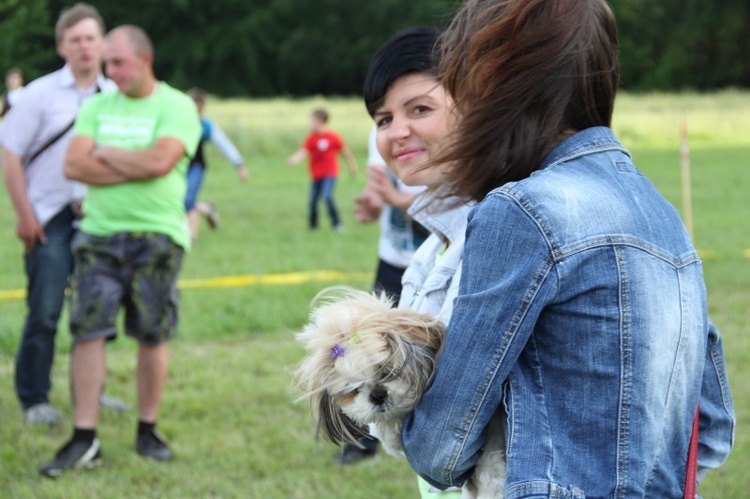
{"x": 411, "y": 125}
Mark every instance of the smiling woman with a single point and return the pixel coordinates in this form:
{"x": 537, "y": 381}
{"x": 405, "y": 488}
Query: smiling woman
{"x": 412, "y": 113}
{"x": 412, "y": 122}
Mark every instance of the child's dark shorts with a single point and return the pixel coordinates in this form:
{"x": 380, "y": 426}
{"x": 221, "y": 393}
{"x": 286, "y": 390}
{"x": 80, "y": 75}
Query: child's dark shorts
{"x": 135, "y": 271}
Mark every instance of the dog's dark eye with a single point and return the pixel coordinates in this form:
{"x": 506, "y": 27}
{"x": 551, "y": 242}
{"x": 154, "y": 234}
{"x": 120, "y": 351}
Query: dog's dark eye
{"x": 348, "y": 397}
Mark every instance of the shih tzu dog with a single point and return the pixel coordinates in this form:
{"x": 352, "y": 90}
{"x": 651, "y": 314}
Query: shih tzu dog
{"x": 368, "y": 364}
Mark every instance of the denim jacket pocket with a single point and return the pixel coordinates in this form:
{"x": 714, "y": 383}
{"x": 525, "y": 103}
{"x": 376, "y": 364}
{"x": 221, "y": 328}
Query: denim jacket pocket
{"x": 543, "y": 490}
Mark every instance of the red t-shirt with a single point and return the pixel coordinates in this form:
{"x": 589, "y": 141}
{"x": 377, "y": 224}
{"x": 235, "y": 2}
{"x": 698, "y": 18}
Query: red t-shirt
{"x": 323, "y": 148}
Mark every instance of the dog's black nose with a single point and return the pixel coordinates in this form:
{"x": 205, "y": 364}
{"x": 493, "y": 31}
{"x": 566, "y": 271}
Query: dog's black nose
{"x": 378, "y": 395}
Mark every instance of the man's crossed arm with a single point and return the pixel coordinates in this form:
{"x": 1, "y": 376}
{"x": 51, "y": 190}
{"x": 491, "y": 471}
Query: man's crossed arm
{"x": 94, "y": 165}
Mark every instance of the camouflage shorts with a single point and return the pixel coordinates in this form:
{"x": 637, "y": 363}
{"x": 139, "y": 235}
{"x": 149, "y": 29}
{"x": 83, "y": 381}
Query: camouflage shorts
{"x": 134, "y": 271}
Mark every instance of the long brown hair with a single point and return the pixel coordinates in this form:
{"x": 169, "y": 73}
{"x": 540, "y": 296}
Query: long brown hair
{"x": 522, "y": 74}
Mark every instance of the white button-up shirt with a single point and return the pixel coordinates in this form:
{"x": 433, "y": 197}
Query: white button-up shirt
{"x": 430, "y": 282}
{"x": 44, "y": 109}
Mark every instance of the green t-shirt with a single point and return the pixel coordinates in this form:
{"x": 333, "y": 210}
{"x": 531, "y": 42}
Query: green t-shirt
{"x": 155, "y": 205}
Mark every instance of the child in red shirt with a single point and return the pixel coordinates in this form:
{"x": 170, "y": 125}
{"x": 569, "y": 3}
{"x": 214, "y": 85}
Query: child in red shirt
{"x": 322, "y": 147}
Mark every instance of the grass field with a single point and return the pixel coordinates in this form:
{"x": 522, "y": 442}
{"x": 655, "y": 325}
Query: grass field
{"x": 229, "y": 408}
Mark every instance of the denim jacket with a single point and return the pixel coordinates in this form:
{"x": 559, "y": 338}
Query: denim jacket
{"x": 582, "y": 309}
{"x": 430, "y": 282}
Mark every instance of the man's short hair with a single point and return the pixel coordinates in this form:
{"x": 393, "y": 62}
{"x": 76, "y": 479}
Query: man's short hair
{"x": 14, "y": 71}
{"x": 138, "y": 38}
{"x": 320, "y": 115}
{"x": 73, "y": 15}
{"x": 197, "y": 94}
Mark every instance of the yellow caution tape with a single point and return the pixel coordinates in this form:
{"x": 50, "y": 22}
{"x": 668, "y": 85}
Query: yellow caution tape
{"x": 243, "y": 281}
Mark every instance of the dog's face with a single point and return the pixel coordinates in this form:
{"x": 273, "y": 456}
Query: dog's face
{"x": 367, "y": 362}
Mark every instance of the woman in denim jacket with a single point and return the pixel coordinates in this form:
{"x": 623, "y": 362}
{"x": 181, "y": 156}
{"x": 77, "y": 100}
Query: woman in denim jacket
{"x": 411, "y": 112}
{"x": 582, "y": 306}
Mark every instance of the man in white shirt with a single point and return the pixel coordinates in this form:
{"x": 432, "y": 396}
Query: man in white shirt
{"x": 34, "y": 136}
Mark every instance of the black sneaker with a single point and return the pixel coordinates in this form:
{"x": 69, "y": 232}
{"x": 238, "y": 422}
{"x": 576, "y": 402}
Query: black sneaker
{"x": 351, "y": 454}
{"x": 152, "y": 445}
{"x": 75, "y": 454}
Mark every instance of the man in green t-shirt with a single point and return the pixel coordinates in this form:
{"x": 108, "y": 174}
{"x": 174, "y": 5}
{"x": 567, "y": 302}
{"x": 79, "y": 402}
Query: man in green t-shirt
{"x": 132, "y": 148}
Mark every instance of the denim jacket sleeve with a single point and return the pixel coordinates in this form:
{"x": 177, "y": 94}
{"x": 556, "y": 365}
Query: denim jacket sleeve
{"x": 717, "y": 419}
{"x": 501, "y": 296}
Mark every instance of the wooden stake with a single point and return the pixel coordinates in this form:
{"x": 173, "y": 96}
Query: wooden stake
{"x": 687, "y": 194}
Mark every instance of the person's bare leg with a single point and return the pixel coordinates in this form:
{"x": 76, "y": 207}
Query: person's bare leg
{"x": 153, "y": 361}
{"x": 89, "y": 369}
{"x": 194, "y": 221}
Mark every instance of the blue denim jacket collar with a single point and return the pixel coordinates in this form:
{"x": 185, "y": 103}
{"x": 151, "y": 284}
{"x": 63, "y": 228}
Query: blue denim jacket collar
{"x": 594, "y": 139}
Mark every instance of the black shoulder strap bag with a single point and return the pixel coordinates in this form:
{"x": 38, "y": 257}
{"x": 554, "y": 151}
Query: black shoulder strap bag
{"x": 54, "y": 139}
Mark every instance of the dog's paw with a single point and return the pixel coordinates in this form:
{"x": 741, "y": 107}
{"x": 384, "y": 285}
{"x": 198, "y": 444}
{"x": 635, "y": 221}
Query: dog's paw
{"x": 374, "y": 431}
{"x": 390, "y": 436}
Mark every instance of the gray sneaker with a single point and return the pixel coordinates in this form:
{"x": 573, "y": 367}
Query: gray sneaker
{"x": 112, "y": 404}
{"x": 42, "y": 413}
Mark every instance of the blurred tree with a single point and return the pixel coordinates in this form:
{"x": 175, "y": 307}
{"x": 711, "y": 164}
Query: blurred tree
{"x": 304, "y": 47}
{"x": 24, "y": 37}
{"x": 269, "y": 47}
{"x": 684, "y": 44}
{"x": 329, "y": 51}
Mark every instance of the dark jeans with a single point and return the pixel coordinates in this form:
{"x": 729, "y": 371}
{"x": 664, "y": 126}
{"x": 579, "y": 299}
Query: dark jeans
{"x": 48, "y": 268}
{"x": 388, "y": 279}
{"x": 195, "y": 175}
{"x": 323, "y": 187}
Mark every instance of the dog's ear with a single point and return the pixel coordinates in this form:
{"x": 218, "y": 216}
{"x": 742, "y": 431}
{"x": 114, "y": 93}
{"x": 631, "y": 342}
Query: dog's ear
{"x": 334, "y": 425}
{"x": 435, "y": 335}
{"x": 414, "y": 352}
{"x": 419, "y": 328}
{"x": 425, "y": 335}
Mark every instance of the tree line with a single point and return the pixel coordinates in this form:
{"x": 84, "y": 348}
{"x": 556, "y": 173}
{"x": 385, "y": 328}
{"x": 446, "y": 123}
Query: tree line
{"x": 305, "y": 47}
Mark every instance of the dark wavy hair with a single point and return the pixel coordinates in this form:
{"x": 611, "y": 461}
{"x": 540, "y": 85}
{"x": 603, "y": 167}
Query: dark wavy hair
{"x": 410, "y": 51}
{"x": 523, "y": 73}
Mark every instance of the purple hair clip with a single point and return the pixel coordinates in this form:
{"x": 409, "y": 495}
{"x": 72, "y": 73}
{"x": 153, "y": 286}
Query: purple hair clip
{"x": 336, "y": 351}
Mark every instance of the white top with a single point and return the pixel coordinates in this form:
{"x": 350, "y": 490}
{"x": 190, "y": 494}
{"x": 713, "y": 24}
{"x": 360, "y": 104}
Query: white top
{"x": 430, "y": 283}
{"x": 373, "y": 155}
{"x": 219, "y": 139}
{"x": 45, "y": 108}
{"x": 13, "y": 95}
{"x": 398, "y": 238}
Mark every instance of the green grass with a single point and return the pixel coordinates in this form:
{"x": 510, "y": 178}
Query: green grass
{"x": 229, "y": 408}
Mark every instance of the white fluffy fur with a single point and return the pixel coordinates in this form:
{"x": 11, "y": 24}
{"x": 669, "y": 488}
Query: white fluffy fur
{"x": 368, "y": 364}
